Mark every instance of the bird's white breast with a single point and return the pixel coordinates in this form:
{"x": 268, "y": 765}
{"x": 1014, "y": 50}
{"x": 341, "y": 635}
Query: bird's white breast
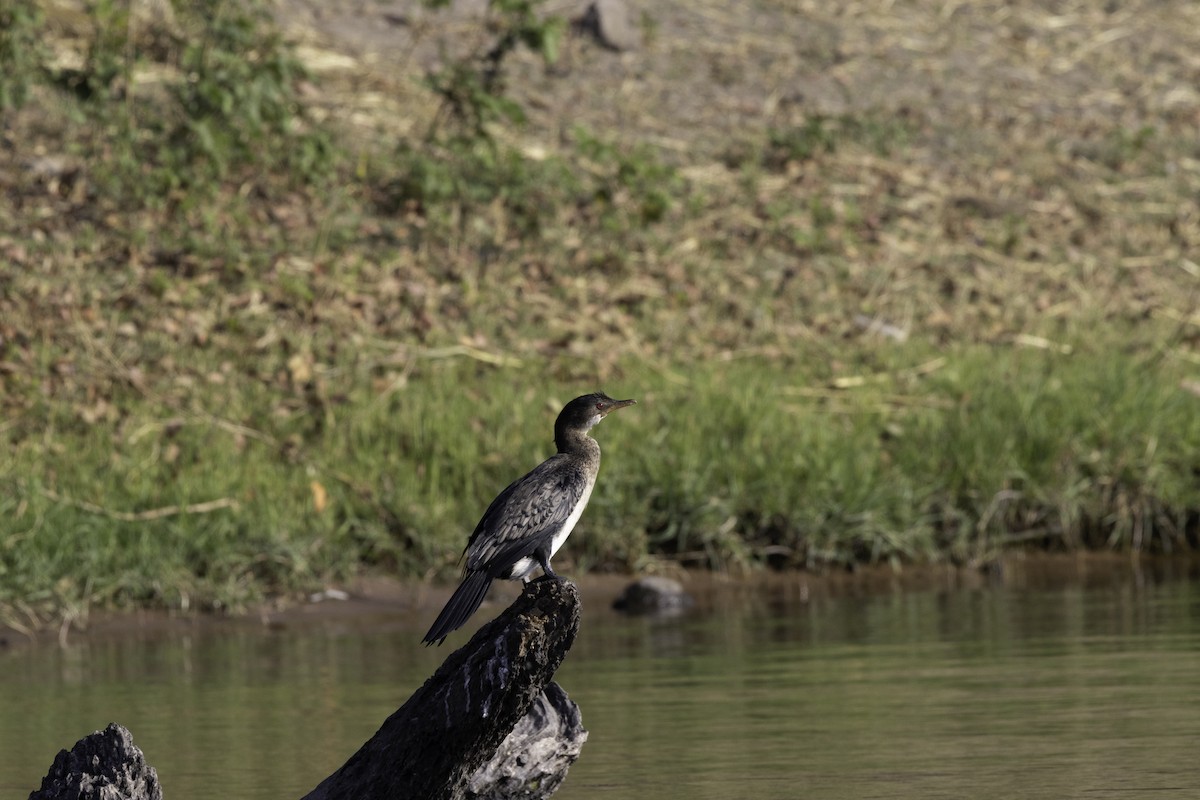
{"x": 576, "y": 513}
{"x": 524, "y": 566}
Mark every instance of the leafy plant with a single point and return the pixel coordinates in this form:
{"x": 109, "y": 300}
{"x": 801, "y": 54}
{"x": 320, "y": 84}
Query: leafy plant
{"x": 227, "y": 99}
{"x": 21, "y": 54}
{"x": 632, "y": 185}
{"x": 802, "y": 143}
{"x": 472, "y": 88}
{"x": 460, "y": 164}
{"x": 823, "y": 133}
{"x": 444, "y": 180}
{"x": 237, "y": 99}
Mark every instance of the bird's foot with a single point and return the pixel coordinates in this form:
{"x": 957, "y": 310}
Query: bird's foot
{"x": 547, "y": 571}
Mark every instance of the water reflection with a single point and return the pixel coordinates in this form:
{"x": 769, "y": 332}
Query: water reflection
{"x": 767, "y": 689}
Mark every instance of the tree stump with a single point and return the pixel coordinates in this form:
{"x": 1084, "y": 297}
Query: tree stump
{"x": 450, "y": 727}
{"x": 105, "y": 765}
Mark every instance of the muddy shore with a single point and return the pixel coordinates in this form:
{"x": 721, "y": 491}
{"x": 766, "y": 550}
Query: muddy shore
{"x": 383, "y": 603}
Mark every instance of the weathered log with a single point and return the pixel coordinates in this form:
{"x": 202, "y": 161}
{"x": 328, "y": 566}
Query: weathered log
{"x": 450, "y": 727}
{"x": 532, "y": 761}
{"x": 105, "y": 765}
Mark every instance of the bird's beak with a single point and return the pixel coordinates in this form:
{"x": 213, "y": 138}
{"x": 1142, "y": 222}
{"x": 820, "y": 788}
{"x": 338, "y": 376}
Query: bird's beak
{"x": 620, "y": 404}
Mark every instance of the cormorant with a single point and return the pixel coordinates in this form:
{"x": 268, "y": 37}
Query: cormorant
{"x": 527, "y": 523}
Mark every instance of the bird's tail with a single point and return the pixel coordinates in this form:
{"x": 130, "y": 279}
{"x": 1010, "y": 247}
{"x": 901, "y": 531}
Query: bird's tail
{"x": 459, "y": 608}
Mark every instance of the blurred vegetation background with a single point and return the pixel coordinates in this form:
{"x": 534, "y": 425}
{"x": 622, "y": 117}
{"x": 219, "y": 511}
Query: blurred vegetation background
{"x": 890, "y": 285}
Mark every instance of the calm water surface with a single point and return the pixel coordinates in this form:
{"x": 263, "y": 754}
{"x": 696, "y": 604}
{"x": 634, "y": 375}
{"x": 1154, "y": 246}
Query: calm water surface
{"x": 1089, "y": 689}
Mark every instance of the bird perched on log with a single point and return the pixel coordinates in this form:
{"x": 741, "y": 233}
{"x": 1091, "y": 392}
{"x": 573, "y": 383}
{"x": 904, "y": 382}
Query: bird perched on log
{"x": 529, "y": 521}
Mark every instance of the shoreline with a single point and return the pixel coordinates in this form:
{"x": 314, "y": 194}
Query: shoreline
{"x": 385, "y": 602}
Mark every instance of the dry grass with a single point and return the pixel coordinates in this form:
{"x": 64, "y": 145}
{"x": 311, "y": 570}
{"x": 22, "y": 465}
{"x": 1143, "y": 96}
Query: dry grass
{"x": 995, "y": 170}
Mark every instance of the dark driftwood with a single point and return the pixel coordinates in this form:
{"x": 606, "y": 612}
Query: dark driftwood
{"x": 532, "y": 761}
{"x": 101, "y": 766}
{"x": 450, "y": 727}
{"x": 457, "y": 736}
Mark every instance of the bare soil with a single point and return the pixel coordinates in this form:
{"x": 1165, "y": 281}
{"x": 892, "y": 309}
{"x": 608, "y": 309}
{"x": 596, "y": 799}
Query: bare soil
{"x": 1000, "y": 166}
{"x": 1012, "y": 75}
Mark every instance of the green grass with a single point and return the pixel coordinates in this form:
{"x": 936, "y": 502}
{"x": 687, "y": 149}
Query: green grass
{"x": 724, "y": 465}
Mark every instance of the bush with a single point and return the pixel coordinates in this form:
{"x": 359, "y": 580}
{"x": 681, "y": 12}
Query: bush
{"x": 21, "y": 53}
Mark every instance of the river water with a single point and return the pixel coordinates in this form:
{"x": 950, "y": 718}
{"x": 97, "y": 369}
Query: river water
{"x": 1085, "y": 684}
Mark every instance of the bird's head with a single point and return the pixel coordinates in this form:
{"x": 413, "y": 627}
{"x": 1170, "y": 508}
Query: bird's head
{"x": 584, "y": 412}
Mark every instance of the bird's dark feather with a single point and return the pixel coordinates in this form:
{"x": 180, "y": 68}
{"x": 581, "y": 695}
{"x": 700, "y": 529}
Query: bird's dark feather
{"x": 525, "y": 515}
{"x": 459, "y": 608}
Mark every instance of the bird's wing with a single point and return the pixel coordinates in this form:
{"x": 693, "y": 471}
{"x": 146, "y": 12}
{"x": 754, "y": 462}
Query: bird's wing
{"x": 528, "y": 511}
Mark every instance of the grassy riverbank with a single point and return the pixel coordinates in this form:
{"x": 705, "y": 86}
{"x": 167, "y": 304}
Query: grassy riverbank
{"x": 958, "y": 455}
{"x": 858, "y": 336}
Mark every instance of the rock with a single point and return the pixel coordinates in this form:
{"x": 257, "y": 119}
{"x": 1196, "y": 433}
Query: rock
{"x": 653, "y": 594}
{"x": 610, "y": 22}
{"x": 328, "y": 594}
{"x": 105, "y": 765}
{"x": 532, "y": 762}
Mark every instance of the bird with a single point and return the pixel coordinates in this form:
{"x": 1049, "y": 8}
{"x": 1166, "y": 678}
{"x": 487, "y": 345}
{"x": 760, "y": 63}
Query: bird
{"x": 529, "y": 521}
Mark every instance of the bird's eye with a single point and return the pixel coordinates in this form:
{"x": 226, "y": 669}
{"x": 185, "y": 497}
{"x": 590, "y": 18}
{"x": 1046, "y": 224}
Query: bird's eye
{"x": 600, "y": 406}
